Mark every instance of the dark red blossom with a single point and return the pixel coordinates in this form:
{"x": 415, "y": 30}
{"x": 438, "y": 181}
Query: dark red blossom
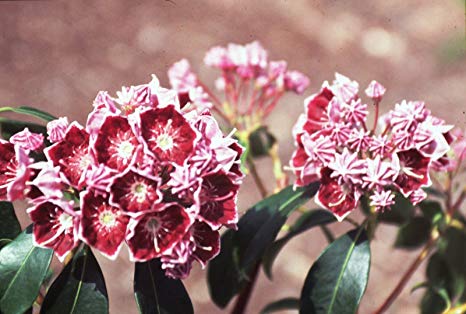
{"x": 340, "y": 199}
{"x": 414, "y": 171}
{"x": 134, "y": 192}
{"x": 116, "y": 144}
{"x": 153, "y": 233}
{"x": 168, "y": 134}
{"x": 55, "y": 226}
{"x": 72, "y": 155}
{"x": 103, "y": 226}
{"x": 218, "y": 200}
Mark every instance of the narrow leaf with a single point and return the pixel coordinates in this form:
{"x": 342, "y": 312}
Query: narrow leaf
{"x": 431, "y": 210}
{"x": 305, "y": 222}
{"x": 79, "y": 289}
{"x": 9, "y": 224}
{"x": 30, "y": 112}
{"x": 259, "y": 227}
{"x": 242, "y": 249}
{"x": 455, "y": 251}
{"x": 413, "y": 234}
{"x": 281, "y": 305}
{"x": 158, "y": 294}
{"x": 23, "y": 268}
{"x": 337, "y": 280}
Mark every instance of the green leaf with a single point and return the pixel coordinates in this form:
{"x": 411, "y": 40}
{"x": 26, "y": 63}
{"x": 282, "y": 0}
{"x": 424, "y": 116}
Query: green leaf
{"x": 223, "y": 275}
{"x": 305, "y": 222}
{"x": 432, "y": 210}
{"x": 261, "y": 141}
{"x": 280, "y": 305}
{"x": 259, "y": 227}
{"x": 23, "y": 268}
{"x": 79, "y": 289}
{"x": 9, "y": 127}
{"x": 433, "y": 302}
{"x": 9, "y": 224}
{"x": 413, "y": 234}
{"x": 455, "y": 251}
{"x": 156, "y": 293}
{"x": 30, "y": 112}
{"x": 337, "y": 280}
{"x": 242, "y": 249}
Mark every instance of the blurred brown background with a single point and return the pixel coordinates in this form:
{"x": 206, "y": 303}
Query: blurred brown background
{"x": 56, "y": 55}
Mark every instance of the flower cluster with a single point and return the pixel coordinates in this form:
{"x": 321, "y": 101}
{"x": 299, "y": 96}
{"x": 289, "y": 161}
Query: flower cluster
{"x": 252, "y": 85}
{"x": 142, "y": 171}
{"x": 335, "y": 146}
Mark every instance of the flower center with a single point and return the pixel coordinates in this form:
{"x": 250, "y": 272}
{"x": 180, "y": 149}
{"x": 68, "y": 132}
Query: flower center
{"x": 139, "y": 190}
{"x": 125, "y": 150}
{"x": 66, "y": 221}
{"x": 85, "y": 161}
{"x": 107, "y": 218}
{"x": 152, "y": 225}
{"x": 165, "y": 142}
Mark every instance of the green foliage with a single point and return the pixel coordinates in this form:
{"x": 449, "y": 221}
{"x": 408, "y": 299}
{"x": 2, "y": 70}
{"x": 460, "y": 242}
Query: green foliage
{"x": 337, "y": 280}
{"x": 23, "y": 268}
{"x": 9, "y": 224}
{"x": 280, "y": 305}
{"x": 79, "y": 289}
{"x": 29, "y": 111}
{"x": 305, "y": 222}
{"x": 414, "y": 233}
{"x": 157, "y": 294}
{"x": 242, "y": 249}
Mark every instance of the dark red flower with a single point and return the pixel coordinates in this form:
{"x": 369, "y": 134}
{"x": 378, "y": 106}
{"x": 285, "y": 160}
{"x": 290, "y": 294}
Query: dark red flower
{"x": 134, "y": 192}
{"x": 14, "y": 171}
{"x": 55, "y": 227}
{"x": 168, "y": 134}
{"x": 102, "y": 226}
{"x": 218, "y": 200}
{"x": 207, "y": 242}
{"x": 340, "y": 199}
{"x": 414, "y": 171}
{"x": 153, "y": 233}
{"x": 116, "y": 143}
{"x": 72, "y": 155}
{"x": 316, "y": 110}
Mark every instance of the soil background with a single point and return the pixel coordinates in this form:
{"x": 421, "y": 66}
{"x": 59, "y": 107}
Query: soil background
{"x": 56, "y": 56}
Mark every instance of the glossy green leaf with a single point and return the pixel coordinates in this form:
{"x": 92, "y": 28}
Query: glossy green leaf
{"x": 337, "y": 280}
{"x": 261, "y": 141}
{"x": 30, "y": 112}
{"x": 432, "y": 210}
{"x": 305, "y": 222}
{"x": 23, "y": 268}
{"x": 433, "y": 302}
{"x": 281, "y": 305}
{"x": 259, "y": 227}
{"x": 413, "y": 234}
{"x": 79, "y": 289}
{"x": 9, "y": 127}
{"x": 242, "y": 249}
{"x": 9, "y": 224}
{"x": 455, "y": 251}
{"x": 223, "y": 274}
{"x": 156, "y": 293}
